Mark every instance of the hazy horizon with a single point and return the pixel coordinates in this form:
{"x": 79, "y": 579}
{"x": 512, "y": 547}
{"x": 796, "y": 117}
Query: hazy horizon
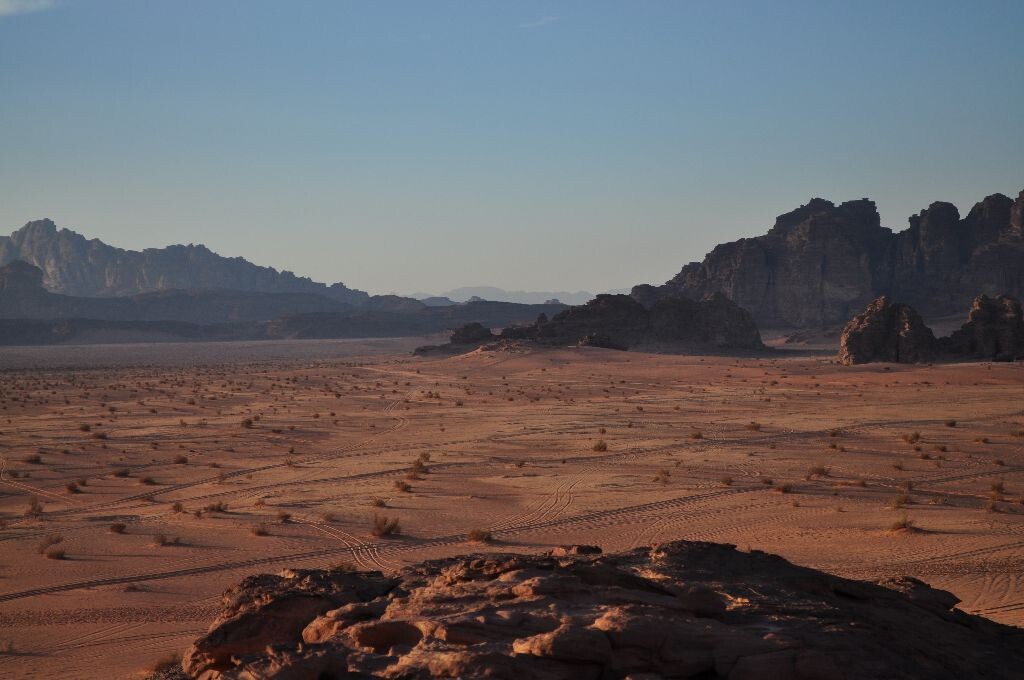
{"x": 535, "y": 146}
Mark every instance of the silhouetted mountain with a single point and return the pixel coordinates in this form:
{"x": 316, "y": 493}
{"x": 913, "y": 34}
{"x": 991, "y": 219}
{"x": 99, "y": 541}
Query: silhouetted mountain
{"x": 74, "y": 265}
{"x": 822, "y": 263}
{"x": 29, "y": 314}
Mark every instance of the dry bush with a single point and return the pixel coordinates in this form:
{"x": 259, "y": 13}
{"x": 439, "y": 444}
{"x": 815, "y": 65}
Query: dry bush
{"x": 169, "y": 662}
{"x": 259, "y": 530}
{"x": 899, "y": 501}
{"x": 600, "y": 445}
{"x": 480, "y": 536}
{"x": 404, "y": 487}
{"x": 378, "y": 503}
{"x": 912, "y": 437}
{"x": 283, "y": 516}
{"x": 180, "y": 460}
{"x": 120, "y": 472}
{"x": 147, "y": 481}
{"x": 247, "y": 423}
{"x": 178, "y": 506}
{"x": 35, "y": 508}
{"x": 55, "y": 554}
{"x": 950, "y": 423}
{"x": 219, "y": 506}
{"x": 385, "y": 526}
{"x": 784, "y": 488}
{"x": 753, "y": 426}
{"x": 902, "y": 524}
{"x": 46, "y": 543}
{"x": 117, "y": 527}
{"x": 725, "y": 481}
{"x": 696, "y": 434}
{"x": 32, "y": 459}
{"x": 72, "y": 487}
{"x": 327, "y": 517}
{"x": 163, "y": 540}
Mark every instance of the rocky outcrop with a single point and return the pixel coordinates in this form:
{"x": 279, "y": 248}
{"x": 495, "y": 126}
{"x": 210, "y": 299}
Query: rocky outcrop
{"x": 672, "y": 323}
{"x": 896, "y": 333}
{"x": 471, "y": 333}
{"x": 886, "y": 332}
{"x": 74, "y": 265}
{"x": 994, "y": 331}
{"x": 822, "y": 262}
{"x": 679, "y": 610}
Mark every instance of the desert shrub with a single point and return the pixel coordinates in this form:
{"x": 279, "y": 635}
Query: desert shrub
{"x": 404, "y": 487}
{"x": 600, "y": 445}
{"x": 912, "y": 437}
{"x": 117, "y": 527}
{"x": 48, "y": 542}
{"x": 726, "y": 481}
{"x": 180, "y": 459}
{"x": 385, "y": 526}
{"x": 35, "y": 508}
{"x": 32, "y": 459}
{"x": 72, "y": 487}
{"x": 480, "y": 536}
{"x": 950, "y": 423}
{"x": 753, "y": 426}
{"x": 378, "y": 503}
{"x": 163, "y": 540}
{"x": 259, "y": 530}
{"x": 120, "y": 472}
{"x": 55, "y": 553}
{"x": 696, "y": 434}
{"x": 147, "y": 481}
{"x": 247, "y": 423}
{"x": 177, "y": 506}
{"x": 902, "y": 524}
{"x": 283, "y": 516}
{"x": 168, "y": 662}
{"x": 219, "y": 506}
{"x": 784, "y": 488}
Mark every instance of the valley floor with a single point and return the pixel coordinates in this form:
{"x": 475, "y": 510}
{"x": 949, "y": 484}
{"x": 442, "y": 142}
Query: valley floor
{"x": 243, "y": 465}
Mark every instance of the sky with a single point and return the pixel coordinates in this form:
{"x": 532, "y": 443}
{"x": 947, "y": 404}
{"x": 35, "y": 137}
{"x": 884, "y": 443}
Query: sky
{"x": 422, "y": 146}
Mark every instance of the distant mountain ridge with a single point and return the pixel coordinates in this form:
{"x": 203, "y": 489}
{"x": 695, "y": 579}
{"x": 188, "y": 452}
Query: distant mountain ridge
{"x": 822, "y": 263}
{"x": 525, "y": 297}
{"x": 74, "y": 265}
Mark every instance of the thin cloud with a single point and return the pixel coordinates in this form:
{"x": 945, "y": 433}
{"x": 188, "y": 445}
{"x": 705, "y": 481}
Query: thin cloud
{"x": 543, "y": 21}
{"x": 12, "y": 7}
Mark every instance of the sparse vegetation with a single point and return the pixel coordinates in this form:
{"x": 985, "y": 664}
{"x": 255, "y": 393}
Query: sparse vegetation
{"x": 600, "y": 445}
{"x": 385, "y": 526}
{"x": 480, "y": 536}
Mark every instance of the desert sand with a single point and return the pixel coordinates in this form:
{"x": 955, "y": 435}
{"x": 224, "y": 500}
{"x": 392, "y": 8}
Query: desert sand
{"x": 137, "y": 486}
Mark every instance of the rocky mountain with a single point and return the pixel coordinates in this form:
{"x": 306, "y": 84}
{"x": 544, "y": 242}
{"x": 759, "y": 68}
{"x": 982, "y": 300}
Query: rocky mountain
{"x": 821, "y": 263}
{"x": 22, "y": 296}
{"x": 678, "y": 610}
{"x": 74, "y": 265}
{"x": 30, "y": 314}
{"x": 895, "y": 332}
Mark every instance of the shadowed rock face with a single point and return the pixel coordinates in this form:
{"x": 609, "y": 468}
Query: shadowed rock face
{"x": 822, "y": 262}
{"x": 994, "y": 330}
{"x": 895, "y": 333}
{"x": 680, "y": 610}
{"x": 886, "y": 332}
{"x": 74, "y": 265}
{"x": 624, "y": 322}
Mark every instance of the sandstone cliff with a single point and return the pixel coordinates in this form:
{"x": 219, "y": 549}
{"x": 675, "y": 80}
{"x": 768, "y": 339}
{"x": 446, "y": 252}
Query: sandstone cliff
{"x": 821, "y": 263}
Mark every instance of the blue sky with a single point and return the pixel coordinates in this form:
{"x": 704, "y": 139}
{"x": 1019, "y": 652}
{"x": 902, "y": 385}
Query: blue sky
{"x": 414, "y": 146}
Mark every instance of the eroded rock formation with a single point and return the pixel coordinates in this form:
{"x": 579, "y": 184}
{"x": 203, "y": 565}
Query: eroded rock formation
{"x": 672, "y": 323}
{"x": 822, "y": 262}
{"x": 885, "y": 331}
{"x": 680, "y": 610}
{"x": 895, "y": 333}
{"x": 994, "y": 331}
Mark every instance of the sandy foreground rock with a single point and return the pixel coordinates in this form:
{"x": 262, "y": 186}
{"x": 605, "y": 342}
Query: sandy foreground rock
{"x": 678, "y": 610}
